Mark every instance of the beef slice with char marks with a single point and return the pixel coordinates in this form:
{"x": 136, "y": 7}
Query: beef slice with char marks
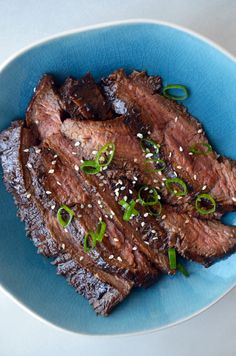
{"x": 83, "y": 98}
{"x": 177, "y": 131}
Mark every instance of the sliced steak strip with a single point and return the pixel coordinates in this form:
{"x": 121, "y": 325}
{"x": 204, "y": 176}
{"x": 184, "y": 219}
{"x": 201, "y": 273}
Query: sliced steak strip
{"x": 33, "y": 214}
{"x": 172, "y": 127}
{"x": 45, "y": 110}
{"x": 199, "y": 240}
{"x": 83, "y": 98}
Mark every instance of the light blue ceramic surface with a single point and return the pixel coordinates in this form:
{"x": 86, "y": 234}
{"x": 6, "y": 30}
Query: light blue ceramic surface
{"x": 178, "y": 57}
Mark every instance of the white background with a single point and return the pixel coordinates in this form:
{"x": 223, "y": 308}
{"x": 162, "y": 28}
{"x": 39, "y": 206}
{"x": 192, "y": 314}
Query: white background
{"x": 214, "y": 331}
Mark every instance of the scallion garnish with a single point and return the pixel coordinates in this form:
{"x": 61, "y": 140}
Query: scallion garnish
{"x": 172, "y": 184}
{"x": 150, "y": 146}
{"x": 182, "y": 269}
{"x": 208, "y": 200}
{"x": 168, "y": 88}
{"x": 90, "y": 167}
{"x": 148, "y": 195}
{"x": 196, "y": 148}
{"x": 65, "y": 216}
{"x": 130, "y": 210}
{"x": 95, "y": 236}
{"x": 160, "y": 165}
{"x": 155, "y": 210}
{"x": 172, "y": 257}
{"x": 105, "y": 154}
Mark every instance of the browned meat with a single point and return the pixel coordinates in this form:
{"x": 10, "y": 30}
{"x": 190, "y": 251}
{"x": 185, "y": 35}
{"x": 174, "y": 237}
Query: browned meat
{"x": 171, "y": 126}
{"x": 199, "y": 240}
{"x": 83, "y": 98}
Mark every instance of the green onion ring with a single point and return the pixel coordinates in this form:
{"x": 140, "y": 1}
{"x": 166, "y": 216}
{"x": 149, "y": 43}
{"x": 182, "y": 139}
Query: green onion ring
{"x": 169, "y": 87}
{"x": 178, "y": 181}
{"x": 86, "y": 238}
{"x": 156, "y": 160}
{"x": 202, "y": 210}
{"x": 108, "y": 147}
{"x": 194, "y": 150}
{"x": 150, "y": 142}
{"x": 101, "y": 229}
{"x": 172, "y": 257}
{"x": 60, "y": 219}
{"x": 90, "y": 167}
{"x": 129, "y": 209}
{"x": 151, "y": 209}
{"x": 150, "y": 190}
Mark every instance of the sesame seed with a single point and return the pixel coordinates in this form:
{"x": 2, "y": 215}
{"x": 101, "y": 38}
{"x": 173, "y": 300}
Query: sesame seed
{"x": 134, "y": 248}
{"x": 117, "y": 193}
{"x": 101, "y": 177}
{"x": 149, "y": 155}
{"x": 146, "y": 242}
{"x": 29, "y": 165}
{"x": 104, "y": 168}
{"x": 159, "y": 197}
{"x": 130, "y": 191}
{"x": 190, "y": 153}
{"x": 53, "y": 207}
{"x": 142, "y": 223}
{"x": 90, "y": 206}
{"x": 100, "y": 219}
{"x": 26, "y": 150}
{"x": 178, "y": 167}
{"x": 181, "y": 148}
{"x": 125, "y": 198}
{"x": 63, "y": 246}
{"x": 79, "y": 216}
{"x": 36, "y": 121}
{"x": 149, "y": 132}
{"x": 176, "y": 119}
{"x": 101, "y": 185}
{"x": 111, "y": 257}
{"x": 48, "y": 192}
{"x": 133, "y": 182}
{"x": 117, "y": 189}
{"x": 119, "y": 259}
{"x": 135, "y": 160}
{"x": 55, "y": 156}
{"x": 58, "y": 183}
{"x": 51, "y": 171}
{"x": 135, "y": 178}
{"x": 145, "y": 215}
{"x": 204, "y": 187}
{"x": 146, "y": 188}
{"x": 170, "y": 154}
{"x": 112, "y": 213}
{"x": 122, "y": 188}
{"x": 153, "y": 231}
{"x": 120, "y": 181}
{"x": 74, "y": 153}
{"x": 163, "y": 184}
{"x": 139, "y": 135}
{"x": 94, "y": 152}
{"x": 54, "y": 162}
{"x": 99, "y": 202}
{"x": 195, "y": 177}
{"x": 106, "y": 216}
{"x": 65, "y": 230}
{"x": 115, "y": 239}
{"x": 77, "y": 143}
{"x": 111, "y": 216}
{"x": 82, "y": 161}
{"x": 38, "y": 150}
{"x": 234, "y": 199}
{"x": 76, "y": 167}
{"x": 186, "y": 221}
{"x": 164, "y": 178}
{"x": 28, "y": 195}
{"x": 155, "y": 181}
{"x": 200, "y": 131}
{"x": 81, "y": 258}
{"x": 163, "y": 217}
{"x": 160, "y": 173}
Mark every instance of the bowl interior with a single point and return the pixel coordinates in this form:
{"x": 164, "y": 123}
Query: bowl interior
{"x": 178, "y": 57}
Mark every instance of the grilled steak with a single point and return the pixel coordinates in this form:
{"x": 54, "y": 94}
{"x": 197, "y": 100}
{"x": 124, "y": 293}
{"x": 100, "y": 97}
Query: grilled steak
{"x": 176, "y": 131}
{"x": 41, "y": 159}
{"x": 83, "y": 98}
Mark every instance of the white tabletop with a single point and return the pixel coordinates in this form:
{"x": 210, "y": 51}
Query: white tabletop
{"x": 212, "y": 332}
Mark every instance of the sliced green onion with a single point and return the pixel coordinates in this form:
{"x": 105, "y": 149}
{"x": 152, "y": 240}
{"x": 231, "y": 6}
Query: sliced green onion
{"x": 95, "y": 236}
{"x": 153, "y": 209}
{"x": 157, "y": 161}
{"x": 149, "y": 145}
{"x": 130, "y": 211}
{"x": 170, "y": 182}
{"x": 182, "y": 270}
{"x": 90, "y": 167}
{"x": 172, "y": 257}
{"x": 196, "y": 151}
{"x": 64, "y": 223}
{"x": 86, "y": 240}
{"x": 104, "y": 159}
{"x": 167, "y": 88}
{"x": 208, "y": 199}
{"x": 152, "y": 195}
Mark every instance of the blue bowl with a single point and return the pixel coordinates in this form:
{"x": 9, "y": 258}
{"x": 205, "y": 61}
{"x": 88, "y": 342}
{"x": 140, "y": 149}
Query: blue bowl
{"x": 179, "y": 57}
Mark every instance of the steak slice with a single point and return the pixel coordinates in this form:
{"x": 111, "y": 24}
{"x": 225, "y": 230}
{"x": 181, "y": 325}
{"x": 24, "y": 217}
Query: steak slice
{"x": 176, "y": 131}
{"x": 91, "y": 285}
{"x": 83, "y": 98}
{"x": 202, "y": 241}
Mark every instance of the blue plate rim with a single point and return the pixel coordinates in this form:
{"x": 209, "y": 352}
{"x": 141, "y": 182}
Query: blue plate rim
{"x": 141, "y": 21}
